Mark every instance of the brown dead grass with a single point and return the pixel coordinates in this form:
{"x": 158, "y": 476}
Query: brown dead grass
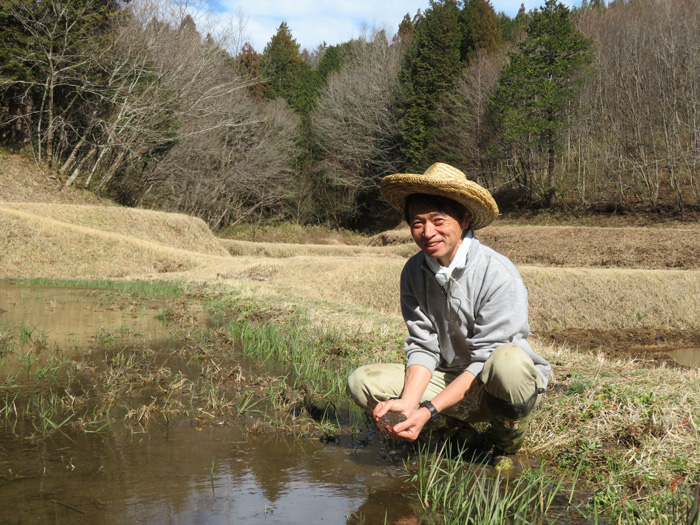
{"x": 284, "y": 250}
{"x": 173, "y": 230}
{"x": 37, "y": 246}
{"x": 602, "y": 410}
{"x": 87, "y": 241}
{"x": 588, "y": 299}
{"x": 574, "y": 246}
{"x": 71, "y": 240}
{"x": 21, "y": 180}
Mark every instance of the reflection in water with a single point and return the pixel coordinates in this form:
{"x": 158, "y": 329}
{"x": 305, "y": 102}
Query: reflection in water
{"x": 189, "y": 475}
{"x": 689, "y": 357}
{"x": 77, "y": 320}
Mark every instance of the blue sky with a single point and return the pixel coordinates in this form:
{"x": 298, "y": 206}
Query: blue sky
{"x": 333, "y": 21}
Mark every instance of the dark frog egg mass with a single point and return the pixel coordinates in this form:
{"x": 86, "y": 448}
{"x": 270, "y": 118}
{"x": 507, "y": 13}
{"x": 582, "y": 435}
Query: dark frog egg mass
{"x": 391, "y": 419}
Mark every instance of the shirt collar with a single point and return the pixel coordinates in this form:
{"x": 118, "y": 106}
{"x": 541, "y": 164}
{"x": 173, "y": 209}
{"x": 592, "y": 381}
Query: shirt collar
{"x": 443, "y": 274}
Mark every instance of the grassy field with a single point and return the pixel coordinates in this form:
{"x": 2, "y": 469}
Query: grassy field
{"x": 606, "y": 306}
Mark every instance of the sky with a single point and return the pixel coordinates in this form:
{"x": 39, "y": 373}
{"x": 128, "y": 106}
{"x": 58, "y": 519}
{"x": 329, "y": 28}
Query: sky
{"x": 313, "y": 22}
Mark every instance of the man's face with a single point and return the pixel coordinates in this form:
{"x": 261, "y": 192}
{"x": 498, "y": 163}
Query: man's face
{"x": 437, "y": 233}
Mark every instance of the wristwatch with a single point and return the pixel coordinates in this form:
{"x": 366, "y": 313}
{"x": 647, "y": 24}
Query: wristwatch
{"x": 434, "y": 414}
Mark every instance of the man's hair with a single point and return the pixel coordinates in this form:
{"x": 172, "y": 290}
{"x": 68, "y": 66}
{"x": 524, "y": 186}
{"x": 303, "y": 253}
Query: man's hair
{"x": 441, "y": 204}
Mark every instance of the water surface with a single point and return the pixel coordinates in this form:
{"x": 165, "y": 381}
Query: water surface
{"x": 181, "y": 472}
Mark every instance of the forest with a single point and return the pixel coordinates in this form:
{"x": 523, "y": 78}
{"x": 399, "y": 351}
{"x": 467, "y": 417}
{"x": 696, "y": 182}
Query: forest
{"x": 154, "y": 105}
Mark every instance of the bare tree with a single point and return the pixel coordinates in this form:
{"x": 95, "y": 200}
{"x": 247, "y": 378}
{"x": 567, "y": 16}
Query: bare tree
{"x": 354, "y": 124}
{"x": 644, "y": 102}
{"x": 231, "y": 173}
{"x": 465, "y": 133}
{"x": 175, "y": 127}
{"x": 62, "y": 40}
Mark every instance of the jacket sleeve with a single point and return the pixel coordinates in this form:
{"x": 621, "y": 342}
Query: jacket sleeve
{"x": 501, "y": 318}
{"x": 421, "y": 345}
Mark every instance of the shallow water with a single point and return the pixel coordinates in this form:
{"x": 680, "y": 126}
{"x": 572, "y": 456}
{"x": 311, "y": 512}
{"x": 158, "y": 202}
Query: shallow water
{"x": 178, "y": 473}
{"x": 689, "y": 357}
{"x": 70, "y": 317}
{"x": 187, "y": 475}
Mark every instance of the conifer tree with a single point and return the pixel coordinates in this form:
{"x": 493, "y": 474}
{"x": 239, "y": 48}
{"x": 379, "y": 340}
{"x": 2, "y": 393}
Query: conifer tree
{"x": 286, "y": 75}
{"x": 431, "y": 65}
{"x": 482, "y": 29}
{"x": 406, "y": 29}
{"x": 536, "y": 87}
{"x": 47, "y": 52}
{"x": 280, "y": 64}
{"x": 249, "y": 60}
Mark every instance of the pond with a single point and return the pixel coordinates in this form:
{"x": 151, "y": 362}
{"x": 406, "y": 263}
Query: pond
{"x": 180, "y": 472}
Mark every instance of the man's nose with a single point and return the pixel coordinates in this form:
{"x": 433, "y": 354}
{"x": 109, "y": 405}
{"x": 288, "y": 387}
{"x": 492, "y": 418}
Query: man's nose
{"x": 428, "y": 230}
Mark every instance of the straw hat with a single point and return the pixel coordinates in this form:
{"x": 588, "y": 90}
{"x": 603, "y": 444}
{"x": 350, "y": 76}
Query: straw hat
{"x": 446, "y": 181}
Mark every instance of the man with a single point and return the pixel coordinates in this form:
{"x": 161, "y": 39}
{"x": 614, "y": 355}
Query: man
{"x": 465, "y": 307}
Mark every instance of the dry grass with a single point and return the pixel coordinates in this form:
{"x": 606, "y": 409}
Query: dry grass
{"x": 173, "y": 230}
{"x": 628, "y": 423}
{"x": 21, "y": 180}
{"x": 612, "y": 299}
{"x": 89, "y": 241}
{"x": 572, "y": 246}
{"x": 284, "y": 250}
{"x": 560, "y": 298}
{"x": 34, "y": 246}
{"x": 291, "y": 233}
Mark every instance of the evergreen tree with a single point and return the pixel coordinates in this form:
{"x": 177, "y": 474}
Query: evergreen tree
{"x": 332, "y": 59}
{"x": 286, "y": 75}
{"x": 47, "y": 52}
{"x": 281, "y": 64}
{"x": 481, "y": 27}
{"x": 249, "y": 61}
{"x": 513, "y": 29}
{"x": 431, "y": 65}
{"x": 537, "y": 85}
{"x": 406, "y": 29}
{"x": 15, "y": 77}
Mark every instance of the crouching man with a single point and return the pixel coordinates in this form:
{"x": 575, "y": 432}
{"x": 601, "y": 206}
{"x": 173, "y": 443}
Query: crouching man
{"x": 465, "y": 307}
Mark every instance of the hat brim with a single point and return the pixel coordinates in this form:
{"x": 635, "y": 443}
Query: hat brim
{"x": 477, "y": 199}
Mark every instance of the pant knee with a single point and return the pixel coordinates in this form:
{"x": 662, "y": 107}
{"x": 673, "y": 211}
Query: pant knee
{"x": 510, "y": 374}
{"x": 370, "y": 384}
{"x": 356, "y": 388}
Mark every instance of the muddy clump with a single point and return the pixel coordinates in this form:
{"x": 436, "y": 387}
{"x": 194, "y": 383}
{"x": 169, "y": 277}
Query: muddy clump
{"x": 389, "y": 420}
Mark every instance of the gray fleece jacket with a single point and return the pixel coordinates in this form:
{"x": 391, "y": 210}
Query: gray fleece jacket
{"x": 483, "y": 307}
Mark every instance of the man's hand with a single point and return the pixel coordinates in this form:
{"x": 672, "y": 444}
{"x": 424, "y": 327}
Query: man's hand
{"x": 392, "y": 405}
{"x": 410, "y": 429}
{"x": 407, "y": 430}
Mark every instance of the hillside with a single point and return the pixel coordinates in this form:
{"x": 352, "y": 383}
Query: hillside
{"x": 21, "y": 180}
{"x": 579, "y": 278}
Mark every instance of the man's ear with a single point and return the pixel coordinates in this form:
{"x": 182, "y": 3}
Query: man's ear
{"x": 466, "y": 221}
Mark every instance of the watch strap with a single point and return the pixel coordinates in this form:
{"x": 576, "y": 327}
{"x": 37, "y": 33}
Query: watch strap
{"x": 431, "y": 408}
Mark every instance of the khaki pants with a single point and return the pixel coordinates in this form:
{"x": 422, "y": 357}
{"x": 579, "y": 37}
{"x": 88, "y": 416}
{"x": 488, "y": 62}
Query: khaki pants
{"x": 508, "y": 375}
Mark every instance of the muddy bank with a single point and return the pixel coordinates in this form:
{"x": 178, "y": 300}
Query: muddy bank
{"x": 670, "y": 347}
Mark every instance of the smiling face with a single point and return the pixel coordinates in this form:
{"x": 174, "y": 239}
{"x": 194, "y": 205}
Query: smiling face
{"x": 436, "y": 229}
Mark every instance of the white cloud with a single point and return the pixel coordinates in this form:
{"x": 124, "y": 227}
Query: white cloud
{"x": 312, "y": 22}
